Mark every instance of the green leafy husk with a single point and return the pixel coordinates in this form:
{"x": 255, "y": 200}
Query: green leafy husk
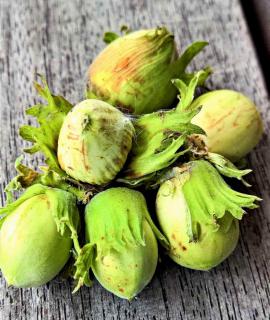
{"x": 50, "y": 118}
{"x": 161, "y": 137}
{"x": 27, "y": 177}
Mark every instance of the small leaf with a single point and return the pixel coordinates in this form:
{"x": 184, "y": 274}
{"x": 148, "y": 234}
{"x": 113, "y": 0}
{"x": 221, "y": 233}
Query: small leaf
{"x": 83, "y": 263}
{"x": 227, "y": 168}
{"x": 183, "y": 61}
{"x": 205, "y": 73}
{"x": 187, "y": 92}
{"x": 24, "y": 179}
{"x": 109, "y": 37}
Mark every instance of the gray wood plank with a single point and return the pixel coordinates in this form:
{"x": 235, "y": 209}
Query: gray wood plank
{"x": 59, "y": 39}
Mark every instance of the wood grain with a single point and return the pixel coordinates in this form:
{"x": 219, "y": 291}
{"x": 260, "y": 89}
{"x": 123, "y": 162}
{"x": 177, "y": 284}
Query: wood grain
{"x": 60, "y": 39}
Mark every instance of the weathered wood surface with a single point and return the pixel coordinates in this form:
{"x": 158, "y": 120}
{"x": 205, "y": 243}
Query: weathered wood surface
{"x": 59, "y": 39}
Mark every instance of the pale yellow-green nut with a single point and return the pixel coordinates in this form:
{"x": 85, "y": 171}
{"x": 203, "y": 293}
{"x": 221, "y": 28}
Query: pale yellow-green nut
{"x": 94, "y": 142}
{"x": 121, "y": 244}
{"x": 134, "y": 72}
{"x": 118, "y": 222}
{"x": 198, "y": 213}
{"x": 35, "y": 239}
{"x": 231, "y": 121}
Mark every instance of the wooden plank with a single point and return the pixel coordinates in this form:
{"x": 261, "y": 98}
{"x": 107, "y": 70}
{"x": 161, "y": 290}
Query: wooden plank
{"x": 59, "y": 39}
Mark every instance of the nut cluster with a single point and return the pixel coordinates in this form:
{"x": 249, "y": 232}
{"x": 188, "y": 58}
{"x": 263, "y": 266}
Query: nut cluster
{"x": 142, "y": 126}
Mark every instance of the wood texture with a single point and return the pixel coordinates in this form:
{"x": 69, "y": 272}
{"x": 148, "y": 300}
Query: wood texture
{"x": 60, "y": 39}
